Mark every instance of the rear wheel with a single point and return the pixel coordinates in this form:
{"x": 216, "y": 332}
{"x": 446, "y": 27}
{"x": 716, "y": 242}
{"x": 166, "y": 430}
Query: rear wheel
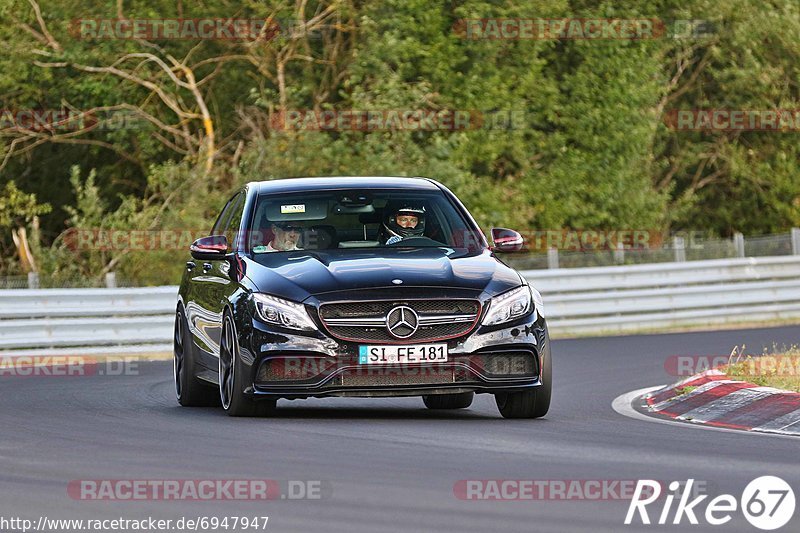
{"x": 231, "y": 378}
{"x": 189, "y": 390}
{"x": 448, "y": 401}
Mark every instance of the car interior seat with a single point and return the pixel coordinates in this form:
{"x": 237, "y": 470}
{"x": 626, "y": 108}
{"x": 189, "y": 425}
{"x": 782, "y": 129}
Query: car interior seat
{"x": 319, "y": 237}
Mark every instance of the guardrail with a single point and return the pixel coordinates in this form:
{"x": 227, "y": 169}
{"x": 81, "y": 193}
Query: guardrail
{"x": 43, "y": 321}
{"x": 664, "y": 295}
{"x": 582, "y": 300}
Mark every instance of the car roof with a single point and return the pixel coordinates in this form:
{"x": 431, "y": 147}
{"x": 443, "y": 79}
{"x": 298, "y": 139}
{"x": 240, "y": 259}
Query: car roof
{"x": 342, "y": 182}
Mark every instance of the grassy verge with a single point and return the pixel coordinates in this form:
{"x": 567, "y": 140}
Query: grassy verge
{"x": 779, "y": 369}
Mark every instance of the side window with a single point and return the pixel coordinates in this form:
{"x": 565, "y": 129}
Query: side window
{"x": 224, "y": 216}
{"x": 231, "y": 228}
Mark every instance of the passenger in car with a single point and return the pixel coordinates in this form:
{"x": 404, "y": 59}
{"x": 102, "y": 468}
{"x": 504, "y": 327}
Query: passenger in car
{"x": 285, "y": 237}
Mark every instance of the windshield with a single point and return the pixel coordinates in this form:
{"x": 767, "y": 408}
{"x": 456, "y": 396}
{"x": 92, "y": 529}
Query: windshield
{"x": 346, "y": 219}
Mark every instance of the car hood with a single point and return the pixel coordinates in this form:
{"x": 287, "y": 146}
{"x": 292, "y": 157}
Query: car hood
{"x": 301, "y": 274}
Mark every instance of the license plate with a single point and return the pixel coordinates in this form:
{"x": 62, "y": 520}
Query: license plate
{"x": 387, "y": 355}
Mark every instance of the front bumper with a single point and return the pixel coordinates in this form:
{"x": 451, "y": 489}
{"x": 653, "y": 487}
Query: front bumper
{"x": 281, "y": 363}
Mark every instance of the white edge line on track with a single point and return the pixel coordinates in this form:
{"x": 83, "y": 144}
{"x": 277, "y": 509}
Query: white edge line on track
{"x": 622, "y": 405}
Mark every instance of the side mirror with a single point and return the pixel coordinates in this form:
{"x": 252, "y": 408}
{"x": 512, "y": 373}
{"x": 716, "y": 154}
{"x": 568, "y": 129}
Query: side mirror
{"x": 506, "y": 240}
{"x": 213, "y": 247}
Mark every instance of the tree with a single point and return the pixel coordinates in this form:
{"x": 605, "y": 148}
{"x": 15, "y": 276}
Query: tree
{"x": 17, "y": 210}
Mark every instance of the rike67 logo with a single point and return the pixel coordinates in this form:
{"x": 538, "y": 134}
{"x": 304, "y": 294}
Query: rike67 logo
{"x": 767, "y": 502}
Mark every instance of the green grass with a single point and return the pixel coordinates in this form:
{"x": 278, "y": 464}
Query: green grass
{"x": 779, "y": 368}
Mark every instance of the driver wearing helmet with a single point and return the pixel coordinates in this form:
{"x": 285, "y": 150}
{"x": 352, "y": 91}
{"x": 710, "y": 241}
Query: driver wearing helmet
{"x": 404, "y": 222}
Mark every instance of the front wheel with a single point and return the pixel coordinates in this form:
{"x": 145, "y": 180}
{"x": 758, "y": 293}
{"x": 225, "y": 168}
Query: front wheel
{"x": 231, "y": 379}
{"x": 526, "y": 404}
{"x": 531, "y": 403}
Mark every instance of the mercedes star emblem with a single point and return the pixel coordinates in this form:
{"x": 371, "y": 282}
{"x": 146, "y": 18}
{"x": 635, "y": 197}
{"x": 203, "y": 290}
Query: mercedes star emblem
{"x": 402, "y": 322}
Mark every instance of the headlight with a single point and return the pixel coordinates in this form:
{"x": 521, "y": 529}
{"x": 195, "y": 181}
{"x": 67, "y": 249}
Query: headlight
{"x": 283, "y": 313}
{"x": 509, "y": 306}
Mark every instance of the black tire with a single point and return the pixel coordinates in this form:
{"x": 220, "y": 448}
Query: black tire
{"x": 460, "y": 400}
{"x": 231, "y": 378}
{"x": 189, "y": 390}
{"x": 533, "y": 403}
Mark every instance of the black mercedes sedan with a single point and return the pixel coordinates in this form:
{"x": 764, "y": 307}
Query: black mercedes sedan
{"x": 357, "y": 286}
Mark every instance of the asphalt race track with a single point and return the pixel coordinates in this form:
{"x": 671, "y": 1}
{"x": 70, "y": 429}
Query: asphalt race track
{"x": 385, "y": 464}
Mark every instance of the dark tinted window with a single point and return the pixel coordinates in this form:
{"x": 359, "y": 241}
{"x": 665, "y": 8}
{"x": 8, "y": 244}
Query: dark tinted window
{"x": 231, "y": 229}
{"x": 344, "y": 219}
{"x": 224, "y": 217}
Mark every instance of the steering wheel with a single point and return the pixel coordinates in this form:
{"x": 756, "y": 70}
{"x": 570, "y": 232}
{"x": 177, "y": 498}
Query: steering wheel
{"x": 417, "y": 241}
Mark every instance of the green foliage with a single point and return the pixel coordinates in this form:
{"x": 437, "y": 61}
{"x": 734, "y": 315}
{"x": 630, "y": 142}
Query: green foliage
{"x": 586, "y": 145}
{"x": 18, "y": 208}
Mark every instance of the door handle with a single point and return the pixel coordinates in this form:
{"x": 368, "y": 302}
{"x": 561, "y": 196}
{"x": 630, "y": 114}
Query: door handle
{"x": 207, "y": 267}
{"x": 190, "y": 265}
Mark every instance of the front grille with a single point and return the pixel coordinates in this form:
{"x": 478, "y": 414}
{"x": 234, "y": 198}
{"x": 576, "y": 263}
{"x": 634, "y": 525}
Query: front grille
{"x": 308, "y": 370}
{"x": 381, "y": 335}
{"x": 363, "y": 377}
{"x": 366, "y": 321}
{"x": 380, "y": 308}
